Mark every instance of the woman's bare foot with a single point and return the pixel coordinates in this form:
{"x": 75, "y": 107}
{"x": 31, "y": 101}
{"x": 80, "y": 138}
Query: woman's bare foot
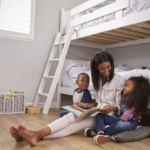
{"x": 21, "y": 127}
{"x": 31, "y": 137}
{"x": 14, "y": 133}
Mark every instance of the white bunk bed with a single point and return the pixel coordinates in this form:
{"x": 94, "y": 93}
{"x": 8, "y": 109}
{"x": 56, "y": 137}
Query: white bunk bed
{"x": 123, "y": 29}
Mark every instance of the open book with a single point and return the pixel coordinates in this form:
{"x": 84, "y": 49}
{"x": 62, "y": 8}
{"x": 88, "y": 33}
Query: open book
{"x": 80, "y": 112}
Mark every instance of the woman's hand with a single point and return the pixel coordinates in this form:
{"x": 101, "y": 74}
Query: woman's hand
{"x": 107, "y": 109}
{"x": 80, "y": 104}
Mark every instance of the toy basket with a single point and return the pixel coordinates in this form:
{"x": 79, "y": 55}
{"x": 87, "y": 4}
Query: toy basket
{"x": 11, "y": 103}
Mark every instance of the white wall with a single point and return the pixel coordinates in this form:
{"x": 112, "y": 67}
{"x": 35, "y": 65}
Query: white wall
{"x": 134, "y": 56}
{"x": 22, "y": 63}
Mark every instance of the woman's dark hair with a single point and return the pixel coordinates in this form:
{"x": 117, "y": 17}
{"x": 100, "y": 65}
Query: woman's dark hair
{"x": 139, "y": 97}
{"x": 99, "y": 58}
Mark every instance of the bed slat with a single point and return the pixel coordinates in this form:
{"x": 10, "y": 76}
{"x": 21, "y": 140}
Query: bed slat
{"x": 142, "y": 35}
{"x": 88, "y": 41}
{"x": 144, "y": 25}
{"x": 94, "y": 41}
{"x": 112, "y": 36}
{"x": 104, "y": 39}
{"x": 107, "y": 39}
{"x": 130, "y": 37}
{"x": 134, "y": 28}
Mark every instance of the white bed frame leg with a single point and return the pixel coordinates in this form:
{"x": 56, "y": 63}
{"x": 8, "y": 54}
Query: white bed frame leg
{"x": 59, "y": 81}
{"x": 58, "y": 97}
{"x": 59, "y": 84}
{"x": 64, "y": 19}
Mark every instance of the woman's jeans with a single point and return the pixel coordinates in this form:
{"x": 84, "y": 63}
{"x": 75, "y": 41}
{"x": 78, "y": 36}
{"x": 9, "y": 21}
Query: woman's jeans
{"x": 115, "y": 126}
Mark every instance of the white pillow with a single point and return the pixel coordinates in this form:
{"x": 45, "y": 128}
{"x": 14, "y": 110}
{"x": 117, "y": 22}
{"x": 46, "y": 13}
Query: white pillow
{"x": 122, "y": 67}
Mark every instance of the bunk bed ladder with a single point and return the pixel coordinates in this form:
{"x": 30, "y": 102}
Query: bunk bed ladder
{"x": 54, "y": 78}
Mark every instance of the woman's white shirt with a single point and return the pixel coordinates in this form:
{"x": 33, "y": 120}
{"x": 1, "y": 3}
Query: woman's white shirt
{"x": 110, "y": 93}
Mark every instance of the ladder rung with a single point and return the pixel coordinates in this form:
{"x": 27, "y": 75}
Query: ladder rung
{"x": 63, "y": 42}
{"x": 50, "y": 77}
{"x": 41, "y": 93}
{"x": 56, "y": 59}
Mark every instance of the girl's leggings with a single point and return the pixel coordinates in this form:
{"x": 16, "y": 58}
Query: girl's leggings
{"x": 69, "y": 124}
{"x": 115, "y": 126}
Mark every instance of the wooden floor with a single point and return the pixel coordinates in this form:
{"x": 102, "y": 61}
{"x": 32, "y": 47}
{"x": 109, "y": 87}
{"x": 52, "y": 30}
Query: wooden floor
{"x": 74, "y": 142}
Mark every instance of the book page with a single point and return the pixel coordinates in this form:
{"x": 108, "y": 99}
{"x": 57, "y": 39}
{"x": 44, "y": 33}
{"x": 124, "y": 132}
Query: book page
{"x": 80, "y": 112}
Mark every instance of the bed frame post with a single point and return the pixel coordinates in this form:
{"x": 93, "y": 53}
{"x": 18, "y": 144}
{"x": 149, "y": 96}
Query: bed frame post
{"x": 60, "y": 48}
{"x": 64, "y": 19}
{"x": 119, "y": 13}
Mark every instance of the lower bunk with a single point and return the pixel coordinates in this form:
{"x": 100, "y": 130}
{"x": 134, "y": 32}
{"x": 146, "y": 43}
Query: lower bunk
{"x": 72, "y": 68}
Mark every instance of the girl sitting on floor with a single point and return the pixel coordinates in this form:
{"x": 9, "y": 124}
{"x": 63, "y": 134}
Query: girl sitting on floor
{"x": 134, "y": 101}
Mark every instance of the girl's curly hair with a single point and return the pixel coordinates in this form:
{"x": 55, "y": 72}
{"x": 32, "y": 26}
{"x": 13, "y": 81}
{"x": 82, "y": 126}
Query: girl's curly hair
{"x": 140, "y": 95}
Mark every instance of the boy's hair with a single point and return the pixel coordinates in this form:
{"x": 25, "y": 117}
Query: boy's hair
{"x": 99, "y": 58}
{"x": 80, "y": 74}
{"x": 139, "y": 97}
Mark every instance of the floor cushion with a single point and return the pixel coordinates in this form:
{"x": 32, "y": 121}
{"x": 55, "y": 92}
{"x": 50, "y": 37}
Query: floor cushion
{"x": 128, "y": 136}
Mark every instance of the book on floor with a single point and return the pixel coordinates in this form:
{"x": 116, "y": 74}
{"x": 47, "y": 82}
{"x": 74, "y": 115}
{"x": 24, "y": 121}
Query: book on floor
{"x": 80, "y": 112}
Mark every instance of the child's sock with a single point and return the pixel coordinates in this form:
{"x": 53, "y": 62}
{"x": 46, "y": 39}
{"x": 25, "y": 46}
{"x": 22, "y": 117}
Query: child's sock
{"x": 100, "y": 133}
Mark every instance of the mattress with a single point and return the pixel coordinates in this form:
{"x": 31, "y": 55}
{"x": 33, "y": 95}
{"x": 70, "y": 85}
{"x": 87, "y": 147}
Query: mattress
{"x": 135, "y": 6}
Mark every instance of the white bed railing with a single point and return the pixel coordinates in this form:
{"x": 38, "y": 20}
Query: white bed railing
{"x": 118, "y": 5}
{"x": 86, "y": 6}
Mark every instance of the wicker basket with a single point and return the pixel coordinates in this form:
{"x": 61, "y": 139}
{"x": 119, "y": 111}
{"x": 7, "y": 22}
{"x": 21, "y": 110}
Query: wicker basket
{"x": 11, "y": 103}
{"x": 32, "y": 110}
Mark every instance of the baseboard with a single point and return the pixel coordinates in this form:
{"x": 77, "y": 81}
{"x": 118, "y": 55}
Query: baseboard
{"x": 53, "y": 104}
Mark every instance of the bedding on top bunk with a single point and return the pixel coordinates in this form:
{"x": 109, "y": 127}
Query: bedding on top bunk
{"x": 135, "y": 6}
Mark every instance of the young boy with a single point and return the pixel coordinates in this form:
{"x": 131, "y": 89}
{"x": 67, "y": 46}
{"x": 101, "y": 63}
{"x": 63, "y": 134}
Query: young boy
{"x": 81, "y": 94}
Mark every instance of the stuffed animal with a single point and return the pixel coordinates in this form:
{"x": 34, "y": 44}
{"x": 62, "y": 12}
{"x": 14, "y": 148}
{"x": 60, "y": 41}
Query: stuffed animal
{"x": 143, "y": 67}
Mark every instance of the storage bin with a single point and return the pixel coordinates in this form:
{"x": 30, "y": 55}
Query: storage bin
{"x": 11, "y": 103}
{"x": 32, "y": 110}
